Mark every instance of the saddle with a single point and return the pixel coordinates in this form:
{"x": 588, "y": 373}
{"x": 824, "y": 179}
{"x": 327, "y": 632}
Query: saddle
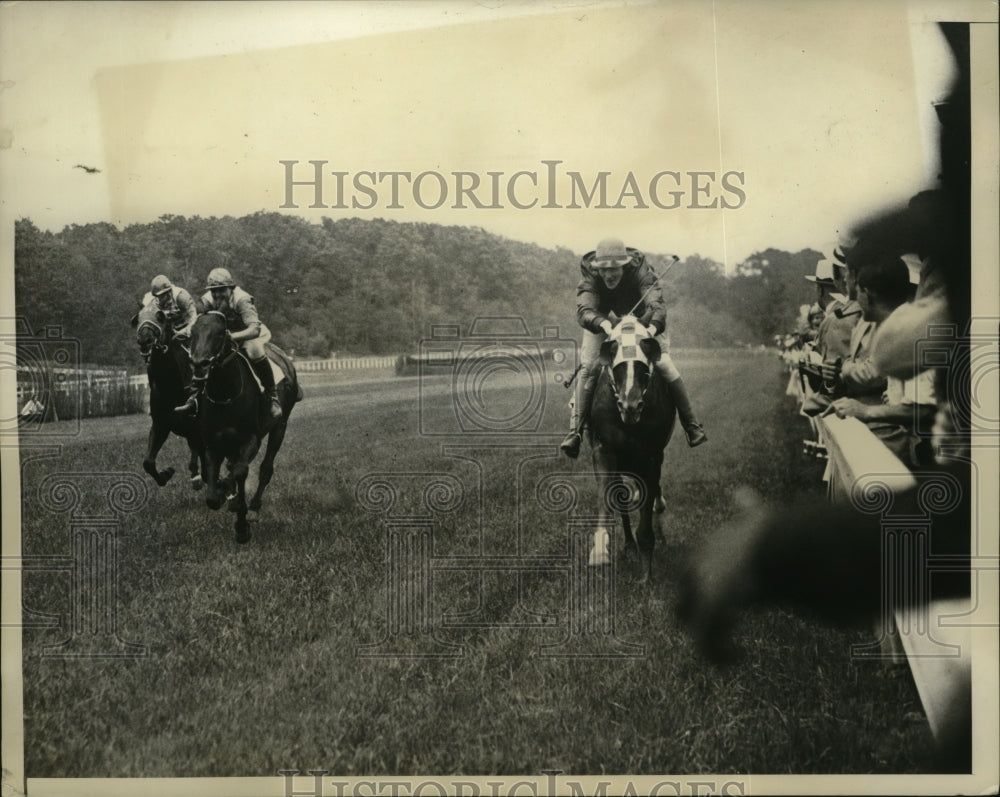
{"x": 279, "y": 375}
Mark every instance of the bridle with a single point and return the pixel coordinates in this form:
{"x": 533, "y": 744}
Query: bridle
{"x": 630, "y": 352}
{"x": 221, "y": 358}
{"x": 157, "y": 345}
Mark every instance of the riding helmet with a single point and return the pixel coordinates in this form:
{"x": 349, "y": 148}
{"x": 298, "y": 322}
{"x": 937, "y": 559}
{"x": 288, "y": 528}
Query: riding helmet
{"x": 160, "y": 285}
{"x": 220, "y": 278}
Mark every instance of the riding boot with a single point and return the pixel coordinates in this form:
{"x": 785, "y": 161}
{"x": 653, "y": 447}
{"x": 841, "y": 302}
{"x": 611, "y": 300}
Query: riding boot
{"x": 579, "y": 413}
{"x": 692, "y": 429}
{"x": 262, "y": 368}
{"x": 190, "y": 405}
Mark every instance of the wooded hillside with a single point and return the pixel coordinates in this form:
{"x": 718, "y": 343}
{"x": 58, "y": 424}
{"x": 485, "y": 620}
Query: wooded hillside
{"x": 356, "y": 286}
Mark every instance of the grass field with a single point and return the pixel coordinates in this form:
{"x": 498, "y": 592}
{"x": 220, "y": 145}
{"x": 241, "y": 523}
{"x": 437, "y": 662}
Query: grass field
{"x": 252, "y": 658}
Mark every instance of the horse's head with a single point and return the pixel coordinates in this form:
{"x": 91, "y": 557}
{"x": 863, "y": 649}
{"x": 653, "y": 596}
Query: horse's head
{"x": 629, "y": 356}
{"x": 151, "y": 331}
{"x": 210, "y": 342}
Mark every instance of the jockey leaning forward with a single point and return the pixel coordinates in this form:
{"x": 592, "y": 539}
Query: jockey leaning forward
{"x": 176, "y": 304}
{"x": 225, "y": 296}
{"x": 615, "y": 280}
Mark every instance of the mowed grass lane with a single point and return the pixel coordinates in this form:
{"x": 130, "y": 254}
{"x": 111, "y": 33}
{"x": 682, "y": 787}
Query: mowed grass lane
{"x": 253, "y": 662}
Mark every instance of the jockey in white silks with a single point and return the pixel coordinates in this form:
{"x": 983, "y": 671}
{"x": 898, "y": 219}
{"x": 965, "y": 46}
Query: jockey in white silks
{"x": 245, "y": 328}
{"x": 617, "y": 280}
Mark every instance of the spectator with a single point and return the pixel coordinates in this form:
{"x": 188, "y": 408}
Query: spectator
{"x": 819, "y": 313}
{"x": 887, "y": 285}
{"x": 905, "y": 406}
{"x": 33, "y": 411}
{"x": 834, "y": 338}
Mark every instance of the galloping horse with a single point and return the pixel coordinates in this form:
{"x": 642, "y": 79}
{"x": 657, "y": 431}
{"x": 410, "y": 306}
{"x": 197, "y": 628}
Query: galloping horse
{"x": 168, "y": 368}
{"x": 233, "y": 416}
{"x": 631, "y": 421}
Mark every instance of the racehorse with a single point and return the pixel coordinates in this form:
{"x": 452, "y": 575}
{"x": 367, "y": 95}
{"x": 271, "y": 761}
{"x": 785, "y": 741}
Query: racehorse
{"x": 631, "y": 421}
{"x": 168, "y": 369}
{"x": 233, "y": 416}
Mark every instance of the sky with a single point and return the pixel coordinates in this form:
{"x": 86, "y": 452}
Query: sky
{"x": 719, "y": 128}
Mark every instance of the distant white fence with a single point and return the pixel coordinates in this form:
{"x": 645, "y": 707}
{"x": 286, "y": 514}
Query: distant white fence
{"x": 72, "y": 393}
{"x": 344, "y": 364}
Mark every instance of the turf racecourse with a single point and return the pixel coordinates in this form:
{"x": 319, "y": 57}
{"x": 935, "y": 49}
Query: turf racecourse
{"x": 306, "y": 650}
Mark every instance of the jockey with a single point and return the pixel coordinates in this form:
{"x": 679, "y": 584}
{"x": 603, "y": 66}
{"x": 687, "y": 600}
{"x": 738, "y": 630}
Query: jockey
{"x": 616, "y": 279}
{"x": 176, "y": 304}
{"x": 245, "y": 328}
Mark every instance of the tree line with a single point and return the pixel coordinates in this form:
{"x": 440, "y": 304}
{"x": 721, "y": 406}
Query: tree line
{"x": 354, "y": 286}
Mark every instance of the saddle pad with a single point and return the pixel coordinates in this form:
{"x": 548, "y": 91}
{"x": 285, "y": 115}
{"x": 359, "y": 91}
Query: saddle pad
{"x": 275, "y": 369}
{"x": 628, "y": 348}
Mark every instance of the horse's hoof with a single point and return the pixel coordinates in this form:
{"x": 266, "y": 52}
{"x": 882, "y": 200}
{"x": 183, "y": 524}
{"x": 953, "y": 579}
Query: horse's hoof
{"x": 196, "y": 483}
{"x": 659, "y": 505}
{"x": 599, "y": 553}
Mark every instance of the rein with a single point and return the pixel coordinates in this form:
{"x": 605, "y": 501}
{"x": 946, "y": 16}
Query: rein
{"x": 610, "y": 371}
{"x": 214, "y": 363}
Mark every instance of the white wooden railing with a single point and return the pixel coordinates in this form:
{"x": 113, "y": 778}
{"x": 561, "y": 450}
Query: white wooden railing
{"x": 344, "y": 363}
{"x": 935, "y": 639}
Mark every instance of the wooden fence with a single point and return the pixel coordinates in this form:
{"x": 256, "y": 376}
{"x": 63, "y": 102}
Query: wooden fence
{"x": 934, "y": 639}
{"x": 74, "y": 393}
{"x": 344, "y": 364}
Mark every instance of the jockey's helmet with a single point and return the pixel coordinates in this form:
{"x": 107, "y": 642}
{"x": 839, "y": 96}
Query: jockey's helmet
{"x": 611, "y": 252}
{"x": 220, "y": 278}
{"x": 160, "y": 285}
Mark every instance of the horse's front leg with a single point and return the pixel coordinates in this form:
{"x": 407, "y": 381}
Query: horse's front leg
{"x": 646, "y": 539}
{"x": 158, "y": 434}
{"x": 608, "y": 481}
{"x": 238, "y": 504}
{"x": 274, "y": 439}
{"x": 211, "y": 463}
{"x": 194, "y": 467}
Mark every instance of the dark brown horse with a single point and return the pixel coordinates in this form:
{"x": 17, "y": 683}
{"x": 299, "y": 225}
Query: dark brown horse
{"x": 631, "y": 421}
{"x": 168, "y": 369}
{"x": 233, "y": 416}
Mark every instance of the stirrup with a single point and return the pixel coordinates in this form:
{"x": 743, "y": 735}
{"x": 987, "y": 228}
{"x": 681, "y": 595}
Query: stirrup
{"x": 276, "y": 411}
{"x": 696, "y": 436}
{"x": 571, "y": 445}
